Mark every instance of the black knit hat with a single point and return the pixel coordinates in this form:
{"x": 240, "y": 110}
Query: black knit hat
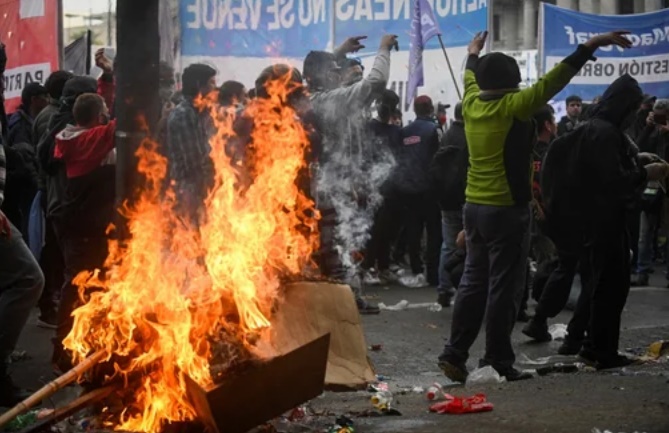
{"x": 496, "y": 71}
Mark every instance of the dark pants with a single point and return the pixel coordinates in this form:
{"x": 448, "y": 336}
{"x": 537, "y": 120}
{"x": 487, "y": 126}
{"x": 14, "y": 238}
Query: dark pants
{"x": 80, "y": 254}
{"x": 607, "y": 261}
{"x": 384, "y": 231}
{"x": 422, "y": 214}
{"x": 52, "y": 264}
{"x": 493, "y": 282}
{"x": 555, "y": 294}
{"x": 21, "y": 283}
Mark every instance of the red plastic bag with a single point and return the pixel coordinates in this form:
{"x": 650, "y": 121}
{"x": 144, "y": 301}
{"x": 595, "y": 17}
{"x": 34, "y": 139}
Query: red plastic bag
{"x": 460, "y": 405}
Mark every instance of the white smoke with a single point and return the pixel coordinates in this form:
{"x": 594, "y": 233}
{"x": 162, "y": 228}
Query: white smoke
{"x": 350, "y": 181}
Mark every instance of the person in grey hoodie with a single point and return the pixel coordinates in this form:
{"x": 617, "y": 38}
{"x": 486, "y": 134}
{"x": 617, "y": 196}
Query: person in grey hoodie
{"x": 347, "y": 183}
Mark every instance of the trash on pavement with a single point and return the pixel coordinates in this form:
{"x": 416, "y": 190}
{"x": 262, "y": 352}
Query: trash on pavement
{"x": 560, "y": 368}
{"x": 382, "y": 400}
{"x": 343, "y": 424}
{"x": 435, "y": 392}
{"x": 484, "y": 375}
{"x": 378, "y": 387}
{"x": 405, "y": 305}
{"x": 658, "y": 349}
{"x": 27, "y": 419}
{"x": 461, "y": 405}
{"x": 558, "y": 331}
{"x": 382, "y": 378}
{"x": 376, "y": 347}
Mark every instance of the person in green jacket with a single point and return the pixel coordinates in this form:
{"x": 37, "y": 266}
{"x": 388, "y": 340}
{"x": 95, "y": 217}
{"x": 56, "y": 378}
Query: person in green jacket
{"x": 500, "y": 135}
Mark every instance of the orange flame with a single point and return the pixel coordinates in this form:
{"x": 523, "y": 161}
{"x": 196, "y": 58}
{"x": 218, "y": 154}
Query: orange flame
{"x": 170, "y": 288}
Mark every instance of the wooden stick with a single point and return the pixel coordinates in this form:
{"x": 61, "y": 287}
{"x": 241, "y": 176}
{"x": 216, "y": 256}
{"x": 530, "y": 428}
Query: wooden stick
{"x": 52, "y": 387}
{"x": 71, "y": 408}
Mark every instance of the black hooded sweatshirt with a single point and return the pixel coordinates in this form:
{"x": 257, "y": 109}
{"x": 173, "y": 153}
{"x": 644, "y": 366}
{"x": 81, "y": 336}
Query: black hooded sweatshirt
{"x": 598, "y": 177}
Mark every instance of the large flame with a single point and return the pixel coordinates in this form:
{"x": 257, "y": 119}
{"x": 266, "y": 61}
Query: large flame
{"x": 172, "y": 288}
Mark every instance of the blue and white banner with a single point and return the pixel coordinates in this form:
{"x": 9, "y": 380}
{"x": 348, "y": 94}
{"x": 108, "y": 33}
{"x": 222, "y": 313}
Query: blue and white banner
{"x": 254, "y": 28}
{"x": 459, "y": 20}
{"x": 647, "y": 61}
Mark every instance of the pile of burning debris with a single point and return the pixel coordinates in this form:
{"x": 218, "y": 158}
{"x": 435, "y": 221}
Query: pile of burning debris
{"x": 179, "y": 328}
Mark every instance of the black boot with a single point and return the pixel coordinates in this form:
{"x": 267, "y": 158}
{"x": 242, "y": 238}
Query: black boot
{"x": 10, "y": 394}
{"x": 537, "y": 330}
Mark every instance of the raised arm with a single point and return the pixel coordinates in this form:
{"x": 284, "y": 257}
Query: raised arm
{"x": 524, "y": 103}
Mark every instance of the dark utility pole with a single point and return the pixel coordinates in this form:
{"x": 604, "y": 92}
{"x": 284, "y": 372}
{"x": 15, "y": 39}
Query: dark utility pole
{"x": 137, "y": 104}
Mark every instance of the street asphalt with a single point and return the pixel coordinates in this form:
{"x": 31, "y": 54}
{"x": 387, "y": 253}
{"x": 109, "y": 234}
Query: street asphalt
{"x": 633, "y": 400}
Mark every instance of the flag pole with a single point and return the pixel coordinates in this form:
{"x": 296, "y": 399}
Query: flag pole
{"x": 450, "y": 68}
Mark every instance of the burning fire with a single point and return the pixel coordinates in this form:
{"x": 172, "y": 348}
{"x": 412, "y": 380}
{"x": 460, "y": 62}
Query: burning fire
{"x": 171, "y": 288}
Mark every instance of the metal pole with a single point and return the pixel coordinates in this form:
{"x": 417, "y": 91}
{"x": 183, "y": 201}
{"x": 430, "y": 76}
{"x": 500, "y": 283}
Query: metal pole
{"x": 450, "y": 68}
{"x": 137, "y": 104}
{"x": 109, "y": 23}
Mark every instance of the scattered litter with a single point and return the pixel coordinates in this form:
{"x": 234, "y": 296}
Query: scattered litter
{"x": 431, "y": 326}
{"x": 484, "y": 375}
{"x": 658, "y": 349}
{"x": 558, "y": 331}
{"x": 418, "y": 390}
{"x": 343, "y": 424}
{"x": 435, "y": 392}
{"x": 378, "y": 387}
{"x": 596, "y": 430}
{"x": 376, "y": 347}
{"x": 546, "y": 360}
{"x": 382, "y": 378}
{"x": 461, "y": 405}
{"x": 27, "y": 419}
{"x": 560, "y": 368}
{"x": 405, "y": 305}
{"x": 382, "y": 400}
{"x": 627, "y": 372}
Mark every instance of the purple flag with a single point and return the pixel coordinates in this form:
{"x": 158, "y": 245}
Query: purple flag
{"x": 424, "y": 26}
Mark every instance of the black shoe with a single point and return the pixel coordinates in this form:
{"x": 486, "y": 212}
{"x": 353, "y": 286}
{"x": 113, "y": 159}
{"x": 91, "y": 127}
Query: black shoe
{"x": 570, "y": 347}
{"x": 537, "y": 330}
{"x": 10, "y": 394}
{"x": 617, "y": 361}
{"x": 514, "y": 375}
{"x": 444, "y": 299}
{"x": 455, "y": 371}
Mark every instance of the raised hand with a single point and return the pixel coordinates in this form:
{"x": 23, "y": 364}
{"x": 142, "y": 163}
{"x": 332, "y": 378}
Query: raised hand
{"x": 478, "y": 42}
{"x": 612, "y": 38}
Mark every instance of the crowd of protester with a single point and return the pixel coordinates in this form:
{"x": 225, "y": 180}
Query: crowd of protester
{"x": 500, "y": 204}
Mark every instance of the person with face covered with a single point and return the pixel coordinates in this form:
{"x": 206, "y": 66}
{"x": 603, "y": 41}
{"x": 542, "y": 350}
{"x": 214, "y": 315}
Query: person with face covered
{"x": 351, "y": 71}
{"x": 589, "y": 194}
{"x": 340, "y": 111}
{"x": 500, "y": 137}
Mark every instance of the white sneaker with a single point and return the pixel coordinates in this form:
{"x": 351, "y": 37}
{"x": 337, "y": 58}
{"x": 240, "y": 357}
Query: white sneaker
{"x": 414, "y": 281}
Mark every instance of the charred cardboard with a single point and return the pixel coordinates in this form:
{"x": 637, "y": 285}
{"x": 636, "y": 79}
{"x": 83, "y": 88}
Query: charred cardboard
{"x": 312, "y": 309}
{"x": 262, "y": 391}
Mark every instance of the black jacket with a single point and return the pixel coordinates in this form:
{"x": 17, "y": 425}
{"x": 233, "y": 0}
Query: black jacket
{"x": 591, "y": 189}
{"x": 449, "y": 168}
{"x": 566, "y": 124}
{"x": 420, "y": 142}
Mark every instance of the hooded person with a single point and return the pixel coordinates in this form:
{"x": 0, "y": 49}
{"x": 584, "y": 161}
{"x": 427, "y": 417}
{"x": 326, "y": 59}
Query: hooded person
{"x": 500, "y": 136}
{"x": 590, "y": 184}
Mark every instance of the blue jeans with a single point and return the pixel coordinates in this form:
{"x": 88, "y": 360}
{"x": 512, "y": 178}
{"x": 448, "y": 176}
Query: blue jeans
{"x": 451, "y": 225}
{"x": 21, "y": 283}
{"x": 493, "y": 283}
{"x": 648, "y": 227}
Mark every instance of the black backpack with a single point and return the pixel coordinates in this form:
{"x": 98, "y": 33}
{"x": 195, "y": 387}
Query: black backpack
{"x": 448, "y": 176}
